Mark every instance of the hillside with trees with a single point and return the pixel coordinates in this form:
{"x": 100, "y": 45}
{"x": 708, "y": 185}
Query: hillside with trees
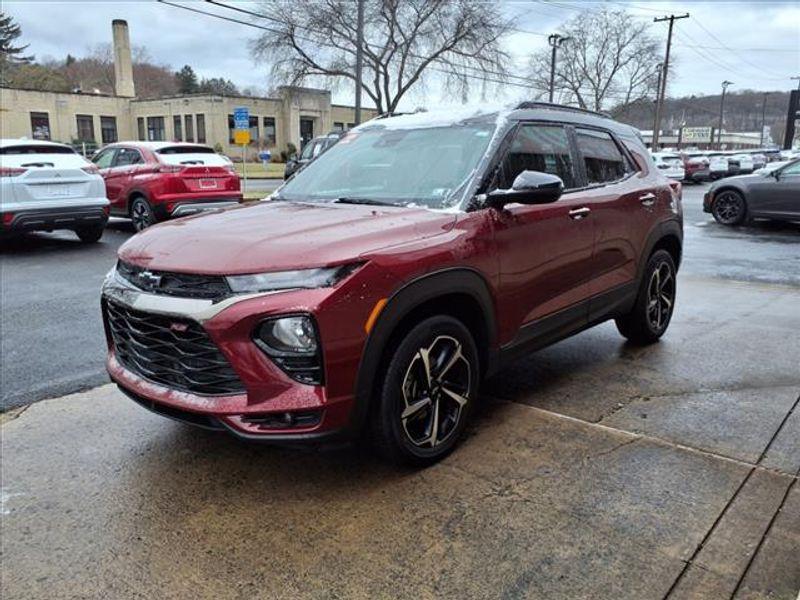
{"x": 742, "y": 112}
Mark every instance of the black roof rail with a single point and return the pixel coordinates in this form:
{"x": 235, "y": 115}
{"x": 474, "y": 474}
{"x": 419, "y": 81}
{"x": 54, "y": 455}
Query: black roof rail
{"x": 553, "y": 106}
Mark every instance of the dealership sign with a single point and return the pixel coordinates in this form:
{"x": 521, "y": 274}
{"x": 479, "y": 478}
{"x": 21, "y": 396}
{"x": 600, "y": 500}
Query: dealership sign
{"x": 696, "y": 134}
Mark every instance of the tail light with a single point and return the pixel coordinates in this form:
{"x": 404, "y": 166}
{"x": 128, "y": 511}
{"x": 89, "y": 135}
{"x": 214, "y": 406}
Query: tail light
{"x": 169, "y": 169}
{"x": 91, "y": 169}
{"x": 11, "y": 171}
{"x": 7, "y": 218}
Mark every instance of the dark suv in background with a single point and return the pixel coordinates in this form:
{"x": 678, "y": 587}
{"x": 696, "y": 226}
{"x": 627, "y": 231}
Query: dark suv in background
{"x": 313, "y": 149}
{"x": 378, "y": 286}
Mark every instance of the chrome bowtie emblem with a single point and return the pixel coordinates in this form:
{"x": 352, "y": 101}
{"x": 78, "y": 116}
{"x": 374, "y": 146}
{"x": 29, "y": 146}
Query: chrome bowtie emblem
{"x": 150, "y": 279}
{"x": 178, "y": 327}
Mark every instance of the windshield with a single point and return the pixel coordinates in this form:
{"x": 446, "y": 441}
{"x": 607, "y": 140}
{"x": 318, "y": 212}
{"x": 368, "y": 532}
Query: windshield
{"x": 425, "y": 166}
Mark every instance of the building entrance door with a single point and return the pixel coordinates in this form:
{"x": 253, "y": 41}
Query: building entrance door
{"x": 306, "y": 131}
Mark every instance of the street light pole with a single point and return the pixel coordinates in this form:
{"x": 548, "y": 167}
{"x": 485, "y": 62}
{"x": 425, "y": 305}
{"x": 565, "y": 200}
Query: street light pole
{"x": 664, "y": 70}
{"x": 763, "y": 117}
{"x": 555, "y": 40}
{"x": 725, "y": 85}
{"x": 359, "y": 58}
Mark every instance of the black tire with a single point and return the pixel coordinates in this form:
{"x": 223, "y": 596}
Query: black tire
{"x": 655, "y": 302}
{"x": 90, "y": 235}
{"x": 729, "y": 208}
{"x": 412, "y": 440}
{"x": 141, "y": 213}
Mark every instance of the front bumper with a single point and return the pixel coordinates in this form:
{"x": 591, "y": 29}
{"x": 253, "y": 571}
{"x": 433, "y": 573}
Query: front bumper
{"x": 50, "y": 219}
{"x": 708, "y": 197}
{"x": 268, "y": 391}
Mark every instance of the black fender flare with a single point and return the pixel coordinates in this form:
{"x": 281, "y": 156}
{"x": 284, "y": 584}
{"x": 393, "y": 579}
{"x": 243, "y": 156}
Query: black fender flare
{"x": 671, "y": 228}
{"x": 415, "y": 293}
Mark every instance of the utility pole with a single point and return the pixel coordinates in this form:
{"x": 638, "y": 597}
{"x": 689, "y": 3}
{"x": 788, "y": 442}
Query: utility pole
{"x": 653, "y": 139}
{"x": 555, "y": 40}
{"x": 763, "y": 117}
{"x": 664, "y": 70}
{"x": 359, "y": 57}
{"x": 725, "y": 85}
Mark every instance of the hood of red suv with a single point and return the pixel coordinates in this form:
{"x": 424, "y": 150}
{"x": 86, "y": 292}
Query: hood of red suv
{"x": 276, "y": 236}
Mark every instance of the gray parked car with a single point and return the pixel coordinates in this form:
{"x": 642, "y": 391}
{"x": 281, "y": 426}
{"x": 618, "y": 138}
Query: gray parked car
{"x": 774, "y": 194}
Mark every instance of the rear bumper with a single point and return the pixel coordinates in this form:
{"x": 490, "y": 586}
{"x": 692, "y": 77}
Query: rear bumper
{"x": 49, "y": 219}
{"x": 190, "y": 208}
{"x": 698, "y": 175}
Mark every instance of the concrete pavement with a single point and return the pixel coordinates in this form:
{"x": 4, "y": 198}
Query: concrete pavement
{"x": 595, "y": 470}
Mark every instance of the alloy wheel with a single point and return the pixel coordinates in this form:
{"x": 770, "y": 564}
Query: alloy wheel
{"x": 660, "y": 296}
{"x": 728, "y": 208}
{"x": 435, "y": 390}
{"x": 141, "y": 215}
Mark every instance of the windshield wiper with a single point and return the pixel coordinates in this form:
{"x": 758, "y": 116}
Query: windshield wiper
{"x": 368, "y": 201}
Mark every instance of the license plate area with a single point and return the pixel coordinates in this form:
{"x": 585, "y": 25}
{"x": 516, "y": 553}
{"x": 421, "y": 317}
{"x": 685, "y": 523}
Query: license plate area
{"x": 208, "y": 184}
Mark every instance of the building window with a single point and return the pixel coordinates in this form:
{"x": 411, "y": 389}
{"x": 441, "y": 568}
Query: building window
{"x": 40, "y": 126}
{"x": 230, "y": 129}
{"x": 140, "y": 128}
{"x": 337, "y": 126}
{"x": 108, "y": 130}
{"x": 253, "y": 130}
{"x": 177, "y": 133}
{"x": 270, "y": 137}
{"x": 85, "y": 128}
{"x": 351, "y": 125}
{"x": 201, "y": 128}
{"x": 155, "y": 129}
{"x": 189, "y": 128}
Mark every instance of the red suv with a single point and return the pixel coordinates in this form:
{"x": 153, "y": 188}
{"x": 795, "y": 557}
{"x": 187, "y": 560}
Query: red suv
{"x": 376, "y": 289}
{"x": 152, "y": 181}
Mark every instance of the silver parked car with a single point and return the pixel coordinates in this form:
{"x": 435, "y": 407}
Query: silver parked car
{"x": 46, "y": 186}
{"x": 769, "y": 194}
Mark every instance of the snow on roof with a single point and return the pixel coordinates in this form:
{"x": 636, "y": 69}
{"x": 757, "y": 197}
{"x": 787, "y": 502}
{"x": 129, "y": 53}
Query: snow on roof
{"x": 5, "y": 142}
{"x": 437, "y": 118}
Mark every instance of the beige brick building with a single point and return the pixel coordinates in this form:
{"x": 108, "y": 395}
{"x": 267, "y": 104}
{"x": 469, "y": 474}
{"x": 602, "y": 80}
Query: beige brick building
{"x": 294, "y": 116}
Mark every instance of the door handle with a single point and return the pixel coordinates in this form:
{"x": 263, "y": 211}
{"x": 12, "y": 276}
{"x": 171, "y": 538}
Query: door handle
{"x": 579, "y": 213}
{"x": 647, "y": 199}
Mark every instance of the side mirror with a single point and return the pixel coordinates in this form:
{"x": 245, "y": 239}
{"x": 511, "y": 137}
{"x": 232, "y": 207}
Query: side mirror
{"x": 530, "y": 187}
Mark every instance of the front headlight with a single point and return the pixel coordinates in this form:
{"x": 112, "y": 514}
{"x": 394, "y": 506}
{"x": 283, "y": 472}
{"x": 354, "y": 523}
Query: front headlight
{"x": 287, "y": 280}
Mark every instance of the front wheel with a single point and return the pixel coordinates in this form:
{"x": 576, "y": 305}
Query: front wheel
{"x": 429, "y": 390}
{"x": 729, "y": 208}
{"x": 142, "y": 214}
{"x": 652, "y": 312}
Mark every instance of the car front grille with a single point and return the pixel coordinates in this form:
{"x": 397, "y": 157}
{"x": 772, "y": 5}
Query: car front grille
{"x": 183, "y": 285}
{"x": 176, "y": 353}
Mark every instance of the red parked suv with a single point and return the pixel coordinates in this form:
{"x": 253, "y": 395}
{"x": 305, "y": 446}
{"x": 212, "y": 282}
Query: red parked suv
{"x": 152, "y": 181}
{"x": 377, "y": 288}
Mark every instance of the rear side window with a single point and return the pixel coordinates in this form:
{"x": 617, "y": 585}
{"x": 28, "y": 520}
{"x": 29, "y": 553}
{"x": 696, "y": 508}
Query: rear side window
{"x": 543, "y": 148}
{"x": 36, "y": 149}
{"x": 127, "y": 156}
{"x": 602, "y": 158}
{"x": 104, "y": 159}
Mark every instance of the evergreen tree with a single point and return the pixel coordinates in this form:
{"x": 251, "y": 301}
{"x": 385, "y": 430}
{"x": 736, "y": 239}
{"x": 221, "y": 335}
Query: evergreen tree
{"x": 187, "y": 80}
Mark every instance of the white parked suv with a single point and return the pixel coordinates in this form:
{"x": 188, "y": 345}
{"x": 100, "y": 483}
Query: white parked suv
{"x": 745, "y": 162}
{"x": 46, "y": 186}
{"x": 669, "y": 164}
{"x": 717, "y": 165}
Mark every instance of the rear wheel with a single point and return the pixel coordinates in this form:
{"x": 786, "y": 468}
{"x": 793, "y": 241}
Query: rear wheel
{"x": 729, "y": 208}
{"x": 430, "y": 388}
{"x": 652, "y": 312}
{"x": 142, "y": 214}
{"x": 90, "y": 235}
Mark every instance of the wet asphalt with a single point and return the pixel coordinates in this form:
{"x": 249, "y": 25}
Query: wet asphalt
{"x": 52, "y": 336}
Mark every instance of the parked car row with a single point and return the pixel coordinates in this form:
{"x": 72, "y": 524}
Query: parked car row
{"x": 48, "y": 186}
{"x": 695, "y": 166}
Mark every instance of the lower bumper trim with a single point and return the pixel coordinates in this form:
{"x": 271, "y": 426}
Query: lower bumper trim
{"x": 48, "y": 219}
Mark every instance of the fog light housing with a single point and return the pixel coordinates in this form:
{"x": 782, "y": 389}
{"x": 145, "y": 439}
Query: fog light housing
{"x": 292, "y": 342}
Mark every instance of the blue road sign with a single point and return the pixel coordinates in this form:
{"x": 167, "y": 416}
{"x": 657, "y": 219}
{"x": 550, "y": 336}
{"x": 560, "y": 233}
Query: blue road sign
{"x": 241, "y": 118}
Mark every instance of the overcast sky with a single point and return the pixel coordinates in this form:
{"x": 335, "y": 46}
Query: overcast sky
{"x": 755, "y": 44}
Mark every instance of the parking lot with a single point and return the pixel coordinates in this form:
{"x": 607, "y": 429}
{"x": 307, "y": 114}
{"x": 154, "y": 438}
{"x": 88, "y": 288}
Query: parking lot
{"x": 595, "y": 469}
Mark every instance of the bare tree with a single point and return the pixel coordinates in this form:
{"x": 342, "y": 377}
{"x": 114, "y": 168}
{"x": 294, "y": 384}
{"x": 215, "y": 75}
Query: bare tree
{"x": 610, "y": 59}
{"x": 404, "y": 40}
